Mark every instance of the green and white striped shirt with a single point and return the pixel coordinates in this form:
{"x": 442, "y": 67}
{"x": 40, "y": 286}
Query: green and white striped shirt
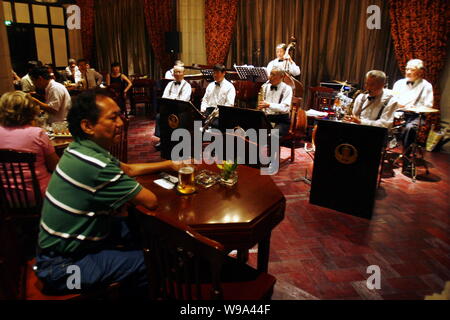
{"x": 86, "y": 187}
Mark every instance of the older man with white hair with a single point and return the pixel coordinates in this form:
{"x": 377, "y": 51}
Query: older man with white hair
{"x": 412, "y": 92}
{"x": 178, "y": 89}
{"x": 277, "y": 99}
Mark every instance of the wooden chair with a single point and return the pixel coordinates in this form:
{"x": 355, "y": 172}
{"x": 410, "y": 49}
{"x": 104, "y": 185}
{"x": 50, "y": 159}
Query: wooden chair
{"x": 185, "y": 265}
{"x": 116, "y": 91}
{"x": 297, "y": 129}
{"x": 120, "y": 149}
{"x": 18, "y": 280}
{"x": 19, "y": 224}
{"x": 17, "y": 197}
{"x": 142, "y": 92}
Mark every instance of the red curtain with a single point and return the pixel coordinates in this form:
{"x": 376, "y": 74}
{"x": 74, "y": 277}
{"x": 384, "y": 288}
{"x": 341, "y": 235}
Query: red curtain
{"x": 87, "y": 27}
{"x": 159, "y": 18}
{"x": 220, "y": 19}
{"x": 419, "y": 29}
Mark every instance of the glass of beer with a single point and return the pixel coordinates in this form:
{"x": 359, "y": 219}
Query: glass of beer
{"x": 186, "y": 183}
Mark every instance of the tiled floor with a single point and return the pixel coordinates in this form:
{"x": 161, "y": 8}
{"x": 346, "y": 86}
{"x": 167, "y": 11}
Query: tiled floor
{"x": 324, "y": 254}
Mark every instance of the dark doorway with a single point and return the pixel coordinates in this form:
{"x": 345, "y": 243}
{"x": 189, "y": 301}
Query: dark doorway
{"x": 22, "y": 46}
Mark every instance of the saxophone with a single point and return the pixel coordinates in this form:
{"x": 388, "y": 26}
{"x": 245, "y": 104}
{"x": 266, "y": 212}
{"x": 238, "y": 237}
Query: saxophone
{"x": 261, "y": 94}
{"x": 349, "y": 110}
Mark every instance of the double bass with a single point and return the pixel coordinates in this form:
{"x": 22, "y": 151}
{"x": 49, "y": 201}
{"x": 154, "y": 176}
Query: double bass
{"x": 298, "y": 115}
{"x": 297, "y": 86}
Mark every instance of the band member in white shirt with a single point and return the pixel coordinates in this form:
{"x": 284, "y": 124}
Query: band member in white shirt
{"x": 221, "y": 92}
{"x": 178, "y": 89}
{"x": 284, "y": 62}
{"x": 170, "y": 73}
{"x": 377, "y": 107}
{"x": 412, "y": 92}
{"x": 277, "y": 99}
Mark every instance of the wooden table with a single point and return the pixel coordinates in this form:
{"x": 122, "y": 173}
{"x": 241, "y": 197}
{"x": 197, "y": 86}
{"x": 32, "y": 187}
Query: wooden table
{"x": 237, "y": 217}
{"x": 60, "y": 144}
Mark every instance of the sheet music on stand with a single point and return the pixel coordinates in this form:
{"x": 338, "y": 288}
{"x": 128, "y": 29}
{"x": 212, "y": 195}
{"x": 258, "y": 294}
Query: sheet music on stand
{"x": 208, "y": 74}
{"x": 251, "y": 73}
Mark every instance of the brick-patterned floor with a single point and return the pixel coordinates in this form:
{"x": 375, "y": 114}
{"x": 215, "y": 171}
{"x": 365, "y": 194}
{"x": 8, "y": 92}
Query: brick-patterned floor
{"x": 324, "y": 254}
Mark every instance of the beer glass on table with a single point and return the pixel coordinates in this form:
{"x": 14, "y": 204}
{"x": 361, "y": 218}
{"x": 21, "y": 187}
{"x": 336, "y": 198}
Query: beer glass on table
{"x": 186, "y": 181}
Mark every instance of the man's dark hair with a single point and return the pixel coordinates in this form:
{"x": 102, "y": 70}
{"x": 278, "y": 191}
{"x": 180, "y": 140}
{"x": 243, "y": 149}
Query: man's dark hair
{"x": 84, "y": 107}
{"x": 40, "y": 72}
{"x": 82, "y": 60}
{"x": 33, "y": 64}
{"x": 115, "y": 64}
{"x": 219, "y": 67}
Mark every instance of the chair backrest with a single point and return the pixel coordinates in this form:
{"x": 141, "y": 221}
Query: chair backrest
{"x": 18, "y": 196}
{"x": 179, "y": 260}
{"x": 120, "y": 150}
{"x": 299, "y": 120}
{"x": 141, "y": 89}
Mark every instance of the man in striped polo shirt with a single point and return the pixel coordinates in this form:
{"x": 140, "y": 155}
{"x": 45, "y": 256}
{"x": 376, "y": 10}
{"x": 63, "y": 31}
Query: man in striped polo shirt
{"x": 78, "y": 226}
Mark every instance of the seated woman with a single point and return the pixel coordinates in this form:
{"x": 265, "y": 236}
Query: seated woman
{"x": 119, "y": 84}
{"x": 17, "y": 114}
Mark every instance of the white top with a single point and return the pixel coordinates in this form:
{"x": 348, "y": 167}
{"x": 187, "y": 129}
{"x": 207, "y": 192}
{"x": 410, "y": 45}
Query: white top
{"x": 378, "y": 112}
{"x": 219, "y": 95}
{"x": 58, "y": 98}
{"x": 293, "y": 69}
{"x": 27, "y": 84}
{"x": 279, "y": 97}
{"x": 176, "y": 91}
{"x": 77, "y": 72}
{"x": 169, "y": 74}
{"x": 419, "y": 94}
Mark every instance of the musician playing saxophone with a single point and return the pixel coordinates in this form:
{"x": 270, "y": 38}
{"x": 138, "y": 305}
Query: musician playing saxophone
{"x": 284, "y": 62}
{"x": 277, "y": 100}
{"x": 221, "y": 92}
{"x": 377, "y": 107}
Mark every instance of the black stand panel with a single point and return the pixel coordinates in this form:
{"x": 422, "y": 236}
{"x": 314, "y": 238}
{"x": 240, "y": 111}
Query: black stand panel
{"x": 346, "y": 166}
{"x": 175, "y": 114}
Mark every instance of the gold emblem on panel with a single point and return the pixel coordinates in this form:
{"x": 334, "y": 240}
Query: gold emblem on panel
{"x": 173, "y": 121}
{"x": 346, "y": 153}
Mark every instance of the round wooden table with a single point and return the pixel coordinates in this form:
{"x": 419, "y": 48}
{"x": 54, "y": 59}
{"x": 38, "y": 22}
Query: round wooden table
{"x": 238, "y": 217}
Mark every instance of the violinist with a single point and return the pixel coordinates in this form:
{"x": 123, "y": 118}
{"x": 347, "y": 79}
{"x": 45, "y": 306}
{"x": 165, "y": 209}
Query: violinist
{"x": 284, "y": 62}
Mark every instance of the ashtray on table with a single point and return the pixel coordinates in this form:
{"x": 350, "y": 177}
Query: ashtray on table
{"x": 207, "y": 178}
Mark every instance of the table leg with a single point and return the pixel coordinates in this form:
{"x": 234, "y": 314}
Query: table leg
{"x": 242, "y": 256}
{"x": 263, "y": 254}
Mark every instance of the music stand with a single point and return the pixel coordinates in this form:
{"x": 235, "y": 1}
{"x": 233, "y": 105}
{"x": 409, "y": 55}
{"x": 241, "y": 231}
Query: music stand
{"x": 233, "y": 118}
{"x": 175, "y": 114}
{"x": 346, "y": 166}
{"x": 251, "y": 73}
